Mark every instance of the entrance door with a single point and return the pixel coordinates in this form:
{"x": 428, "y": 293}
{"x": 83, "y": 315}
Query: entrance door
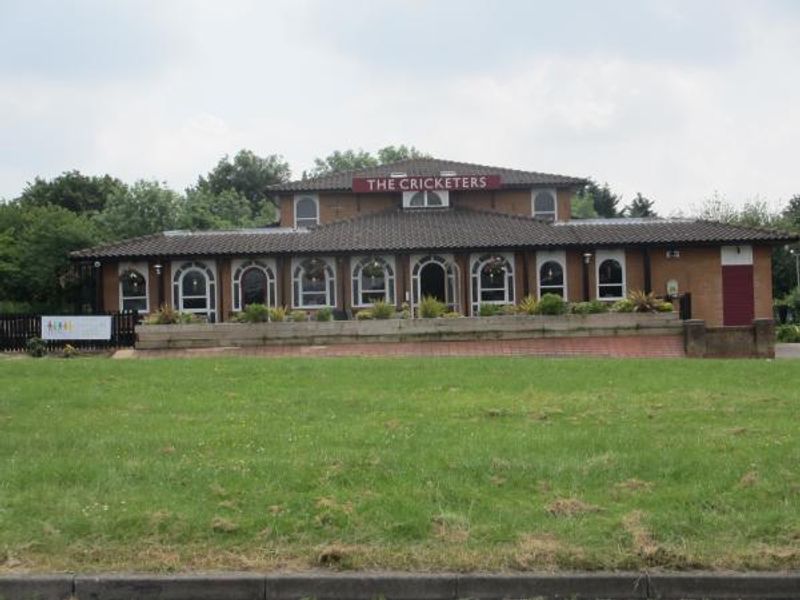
{"x": 738, "y": 302}
{"x": 432, "y": 281}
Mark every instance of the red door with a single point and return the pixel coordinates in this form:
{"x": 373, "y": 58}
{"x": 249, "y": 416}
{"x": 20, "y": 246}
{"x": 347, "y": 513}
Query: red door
{"x": 738, "y": 305}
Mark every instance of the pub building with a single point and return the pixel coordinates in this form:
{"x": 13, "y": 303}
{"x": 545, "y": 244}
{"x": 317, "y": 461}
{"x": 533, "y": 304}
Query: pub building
{"x": 464, "y": 233}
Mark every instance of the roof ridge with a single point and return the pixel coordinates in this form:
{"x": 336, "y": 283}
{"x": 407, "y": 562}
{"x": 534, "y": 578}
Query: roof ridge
{"x": 747, "y": 227}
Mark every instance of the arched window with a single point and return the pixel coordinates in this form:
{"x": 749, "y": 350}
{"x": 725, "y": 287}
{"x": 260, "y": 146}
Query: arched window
{"x": 133, "y": 291}
{"x": 314, "y": 283}
{"x": 551, "y": 279}
{"x": 373, "y": 279}
{"x": 194, "y": 289}
{"x": 426, "y": 199}
{"x": 492, "y": 281}
{"x": 306, "y": 211}
{"x": 437, "y": 276}
{"x": 544, "y": 204}
{"x": 610, "y": 274}
{"x": 253, "y": 283}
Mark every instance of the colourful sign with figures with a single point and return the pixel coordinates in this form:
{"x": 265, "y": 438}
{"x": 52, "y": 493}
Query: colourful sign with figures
{"x": 76, "y": 328}
{"x": 367, "y": 185}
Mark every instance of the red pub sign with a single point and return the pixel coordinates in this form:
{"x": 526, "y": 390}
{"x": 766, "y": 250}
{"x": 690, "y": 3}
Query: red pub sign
{"x": 367, "y": 185}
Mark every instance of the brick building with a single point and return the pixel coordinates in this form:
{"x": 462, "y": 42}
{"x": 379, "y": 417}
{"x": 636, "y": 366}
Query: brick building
{"x": 468, "y": 234}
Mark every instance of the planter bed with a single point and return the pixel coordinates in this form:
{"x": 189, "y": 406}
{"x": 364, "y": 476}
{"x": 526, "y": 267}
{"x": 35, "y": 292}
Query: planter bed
{"x": 208, "y": 335}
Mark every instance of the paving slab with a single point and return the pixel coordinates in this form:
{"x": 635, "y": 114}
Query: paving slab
{"x": 217, "y": 586}
{"x": 39, "y": 587}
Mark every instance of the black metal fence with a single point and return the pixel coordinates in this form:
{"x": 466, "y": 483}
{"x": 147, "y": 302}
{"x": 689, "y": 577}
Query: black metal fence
{"x": 16, "y": 330}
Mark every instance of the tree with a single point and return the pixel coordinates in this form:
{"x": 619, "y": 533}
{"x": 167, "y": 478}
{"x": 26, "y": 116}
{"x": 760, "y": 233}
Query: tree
{"x": 249, "y": 175}
{"x": 791, "y": 213}
{"x": 389, "y": 154}
{"x": 144, "y": 208}
{"x": 640, "y": 207}
{"x": 227, "y": 210}
{"x": 582, "y": 207}
{"x": 73, "y": 191}
{"x": 348, "y": 160}
{"x": 343, "y": 161}
{"x": 602, "y": 199}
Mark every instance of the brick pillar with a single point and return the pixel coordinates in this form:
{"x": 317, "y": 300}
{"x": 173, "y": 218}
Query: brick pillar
{"x": 694, "y": 336}
{"x": 764, "y": 338}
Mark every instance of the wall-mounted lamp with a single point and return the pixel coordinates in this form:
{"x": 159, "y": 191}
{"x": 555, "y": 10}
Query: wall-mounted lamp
{"x": 587, "y": 257}
{"x": 158, "y": 267}
{"x": 97, "y": 264}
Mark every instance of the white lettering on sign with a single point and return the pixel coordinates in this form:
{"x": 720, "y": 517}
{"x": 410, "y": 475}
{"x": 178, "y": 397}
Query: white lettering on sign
{"x": 425, "y": 183}
{"x": 76, "y": 328}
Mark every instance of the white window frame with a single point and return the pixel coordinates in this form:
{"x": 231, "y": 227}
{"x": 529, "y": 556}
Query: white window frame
{"x": 209, "y": 269}
{"x": 267, "y": 265}
{"x": 357, "y": 263}
{"x": 297, "y": 198}
{"x": 443, "y": 194}
{"x": 544, "y": 257}
{"x": 142, "y": 269}
{"x": 554, "y": 212}
{"x": 452, "y": 279}
{"x": 476, "y": 290}
{"x": 600, "y": 257}
{"x": 330, "y": 282}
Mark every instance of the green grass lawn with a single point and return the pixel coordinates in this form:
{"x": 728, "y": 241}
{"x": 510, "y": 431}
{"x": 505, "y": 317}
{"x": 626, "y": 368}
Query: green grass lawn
{"x": 458, "y": 463}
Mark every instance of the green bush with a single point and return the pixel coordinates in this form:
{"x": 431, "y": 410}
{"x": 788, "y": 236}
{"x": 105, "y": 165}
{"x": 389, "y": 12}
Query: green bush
{"x": 665, "y": 307}
{"x": 788, "y": 333}
{"x": 167, "y": 315}
{"x": 527, "y": 306}
{"x": 622, "y": 306}
{"x": 324, "y": 314}
{"x": 508, "y": 309}
{"x": 364, "y": 315}
{"x": 278, "y": 314}
{"x": 452, "y": 315}
{"x": 489, "y": 310}
{"x": 644, "y": 302}
{"x": 431, "y": 308}
{"x": 298, "y": 316}
{"x": 36, "y": 347}
{"x": 593, "y": 307}
{"x": 551, "y": 304}
{"x": 69, "y": 351}
{"x": 254, "y": 313}
{"x": 382, "y": 310}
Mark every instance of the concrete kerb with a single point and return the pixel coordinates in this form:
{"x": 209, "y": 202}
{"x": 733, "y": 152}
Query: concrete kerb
{"x": 403, "y": 586}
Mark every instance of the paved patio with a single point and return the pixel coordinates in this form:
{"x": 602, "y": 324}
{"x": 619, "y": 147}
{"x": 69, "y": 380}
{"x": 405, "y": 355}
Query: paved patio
{"x": 656, "y": 346}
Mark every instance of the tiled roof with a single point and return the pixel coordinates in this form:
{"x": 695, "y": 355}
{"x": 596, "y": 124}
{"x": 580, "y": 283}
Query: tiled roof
{"x": 415, "y": 167}
{"x": 432, "y": 229}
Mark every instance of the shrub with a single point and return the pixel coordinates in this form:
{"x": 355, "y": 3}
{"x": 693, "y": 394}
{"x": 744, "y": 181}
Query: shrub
{"x": 69, "y": 351}
{"x": 588, "y": 308}
{"x": 622, "y": 306}
{"x": 298, "y": 316}
{"x": 452, "y": 315}
{"x": 278, "y": 313}
{"x": 489, "y": 310}
{"x": 36, "y": 347}
{"x": 665, "y": 307}
{"x": 508, "y": 309}
{"x": 551, "y": 304}
{"x": 405, "y": 311}
{"x": 167, "y": 315}
{"x": 788, "y": 333}
{"x": 254, "y": 313}
{"x": 643, "y": 302}
{"x": 382, "y": 310}
{"x": 527, "y": 305}
{"x": 431, "y": 308}
{"x": 364, "y": 315}
{"x": 324, "y": 314}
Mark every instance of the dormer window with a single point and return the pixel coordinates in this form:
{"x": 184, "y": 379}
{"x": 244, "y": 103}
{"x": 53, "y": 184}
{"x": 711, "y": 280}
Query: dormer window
{"x": 426, "y": 199}
{"x": 306, "y": 211}
{"x": 544, "y": 204}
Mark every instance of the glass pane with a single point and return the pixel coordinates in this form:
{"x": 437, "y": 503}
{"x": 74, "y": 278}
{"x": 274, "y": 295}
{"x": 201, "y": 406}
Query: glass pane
{"x": 133, "y": 284}
{"x": 611, "y": 291}
{"x": 254, "y": 287}
{"x": 493, "y": 274}
{"x": 313, "y": 278}
{"x": 610, "y": 271}
{"x": 137, "y": 304}
{"x": 306, "y": 222}
{"x": 558, "y": 291}
{"x": 434, "y": 199}
{"x": 306, "y": 209}
{"x": 370, "y": 297}
{"x": 417, "y": 199}
{"x": 314, "y": 299}
{"x": 493, "y": 295}
{"x": 551, "y": 273}
{"x": 544, "y": 202}
{"x": 194, "y": 284}
{"x": 194, "y": 303}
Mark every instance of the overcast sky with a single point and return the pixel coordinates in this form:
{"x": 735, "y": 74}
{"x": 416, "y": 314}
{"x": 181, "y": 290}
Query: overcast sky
{"x": 672, "y": 99}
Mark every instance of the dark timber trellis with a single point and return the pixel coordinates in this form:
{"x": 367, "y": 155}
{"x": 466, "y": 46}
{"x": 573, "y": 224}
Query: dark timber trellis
{"x": 16, "y": 330}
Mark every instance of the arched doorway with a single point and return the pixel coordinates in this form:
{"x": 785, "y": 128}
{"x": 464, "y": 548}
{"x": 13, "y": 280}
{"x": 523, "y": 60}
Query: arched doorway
{"x": 432, "y": 281}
